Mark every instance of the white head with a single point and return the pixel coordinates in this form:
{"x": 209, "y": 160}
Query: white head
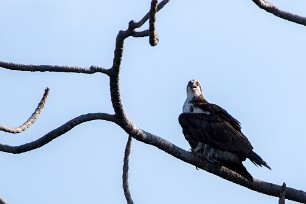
{"x": 194, "y": 89}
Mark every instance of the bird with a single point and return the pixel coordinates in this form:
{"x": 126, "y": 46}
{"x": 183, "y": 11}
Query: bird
{"x": 214, "y": 134}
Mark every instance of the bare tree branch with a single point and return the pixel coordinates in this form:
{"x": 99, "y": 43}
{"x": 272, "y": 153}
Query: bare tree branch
{"x": 141, "y": 34}
{"x": 125, "y": 123}
{"x": 280, "y": 13}
{"x": 189, "y": 157}
{"x": 56, "y": 133}
{"x": 121, "y": 119}
{"x": 31, "y": 120}
{"x": 282, "y": 194}
{"x": 115, "y": 70}
{"x": 125, "y": 175}
{"x": 146, "y": 17}
{"x": 153, "y": 36}
{"x": 49, "y": 68}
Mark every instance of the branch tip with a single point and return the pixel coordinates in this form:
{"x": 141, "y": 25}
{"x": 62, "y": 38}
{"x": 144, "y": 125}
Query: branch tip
{"x": 132, "y": 25}
{"x": 282, "y": 194}
{"x": 31, "y": 119}
{"x": 267, "y": 6}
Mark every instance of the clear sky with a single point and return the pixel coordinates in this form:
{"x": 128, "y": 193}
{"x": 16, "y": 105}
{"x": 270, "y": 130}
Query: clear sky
{"x": 249, "y": 62}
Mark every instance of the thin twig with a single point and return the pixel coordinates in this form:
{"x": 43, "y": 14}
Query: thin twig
{"x": 56, "y": 133}
{"x": 280, "y": 13}
{"x": 31, "y": 120}
{"x": 125, "y": 174}
{"x": 146, "y": 17}
{"x": 282, "y": 194}
{"x": 56, "y": 68}
{"x": 153, "y": 36}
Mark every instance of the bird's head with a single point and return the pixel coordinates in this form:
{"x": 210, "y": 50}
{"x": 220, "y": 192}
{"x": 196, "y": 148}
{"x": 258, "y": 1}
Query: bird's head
{"x": 194, "y": 89}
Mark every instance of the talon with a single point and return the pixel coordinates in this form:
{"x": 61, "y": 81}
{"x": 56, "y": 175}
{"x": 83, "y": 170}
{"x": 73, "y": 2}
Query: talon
{"x": 199, "y": 147}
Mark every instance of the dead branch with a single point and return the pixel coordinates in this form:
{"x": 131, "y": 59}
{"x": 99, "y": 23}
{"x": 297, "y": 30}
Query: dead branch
{"x": 146, "y": 17}
{"x": 31, "y": 120}
{"x": 125, "y": 123}
{"x": 56, "y": 68}
{"x": 121, "y": 119}
{"x": 153, "y": 37}
{"x": 140, "y": 34}
{"x": 115, "y": 70}
{"x": 56, "y": 133}
{"x": 280, "y": 13}
{"x": 189, "y": 157}
{"x": 125, "y": 174}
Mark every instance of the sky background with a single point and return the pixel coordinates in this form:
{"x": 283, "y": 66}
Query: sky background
{"x": 249, "y": 62}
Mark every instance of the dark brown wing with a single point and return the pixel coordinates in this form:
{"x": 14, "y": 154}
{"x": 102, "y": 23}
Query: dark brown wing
{"x": 189, "y": 136}
{"x": 213, "y": 108}
{"x": 217, "y": 130}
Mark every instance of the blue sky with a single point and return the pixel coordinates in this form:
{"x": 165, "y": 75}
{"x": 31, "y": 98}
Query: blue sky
{"x": 249, "y": 62}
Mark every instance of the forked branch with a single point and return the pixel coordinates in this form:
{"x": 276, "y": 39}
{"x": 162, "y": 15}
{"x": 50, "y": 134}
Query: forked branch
{"x": 56, "y": 133}
{"x": 31, "y": 120}
{"x": 121, "y": 119}
{"x": 131, "y": 129}
{"x": 146, "y": 17}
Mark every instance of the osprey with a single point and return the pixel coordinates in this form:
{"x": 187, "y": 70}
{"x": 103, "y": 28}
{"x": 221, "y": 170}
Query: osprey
{"x": 214, "y": 134}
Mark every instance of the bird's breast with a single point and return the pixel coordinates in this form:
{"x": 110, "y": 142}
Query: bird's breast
{"x": 192, "y": 108}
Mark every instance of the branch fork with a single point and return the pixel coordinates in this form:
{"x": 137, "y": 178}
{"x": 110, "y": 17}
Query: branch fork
{"x": 122, "y": 120}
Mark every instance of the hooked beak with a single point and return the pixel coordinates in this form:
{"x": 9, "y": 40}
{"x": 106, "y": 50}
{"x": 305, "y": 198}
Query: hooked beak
{"x": 193, "y": 88}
